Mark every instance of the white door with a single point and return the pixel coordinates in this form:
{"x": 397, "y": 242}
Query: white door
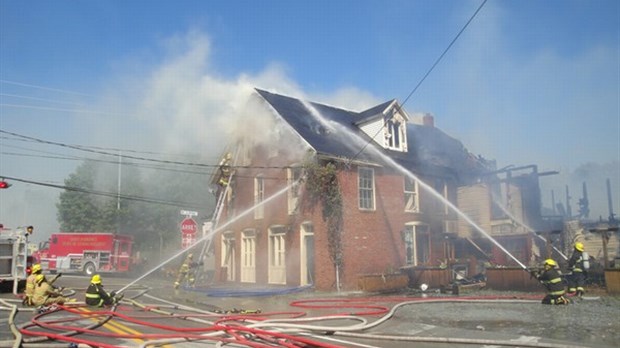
{"x": 248, "y": 256}
{"x": 277, "y": 256}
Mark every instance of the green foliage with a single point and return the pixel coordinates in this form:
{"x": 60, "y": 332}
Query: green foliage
{"x": 322, "y": 187}
{"x": 149, "y": 223}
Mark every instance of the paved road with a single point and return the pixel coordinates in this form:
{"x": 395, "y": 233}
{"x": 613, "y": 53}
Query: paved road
{"x": 486, "y": 323}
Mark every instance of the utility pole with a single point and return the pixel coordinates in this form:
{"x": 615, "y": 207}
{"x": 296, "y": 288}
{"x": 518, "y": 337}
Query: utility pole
{"x": 605, "y": 234}
{"x": 569, "y": 212}
{"x": 118, "y": 194}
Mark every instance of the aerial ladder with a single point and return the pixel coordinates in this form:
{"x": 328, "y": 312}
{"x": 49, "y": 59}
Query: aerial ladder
{"x": 225, "y": 180}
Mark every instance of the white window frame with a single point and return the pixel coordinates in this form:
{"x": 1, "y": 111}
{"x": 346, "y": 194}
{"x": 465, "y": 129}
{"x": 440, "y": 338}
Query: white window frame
{"x": 306, "y": 230}
{"x": 259, "y": 197}
{"x": 277, "y": 255}
{"x": 292, "y": 176}
{"x": 366, "y": 188}
{"x": 395, "y": 131}
{"x": 411, "y": 190}
{"x": 228, "y": 255}
{"x": 414, "y": 232}
{"x": 248, "y": 256}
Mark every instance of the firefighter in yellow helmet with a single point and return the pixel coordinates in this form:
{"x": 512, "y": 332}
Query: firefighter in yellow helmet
{"x": 31, "y": 284}
{"x": 97, "y": 296}
{"x": 225, "y": 169}
{"x": 187, "y": 272}
{"x": 578, "y": 266}
{"x": 551, "y": 279}
{"x": 45, "y": 294}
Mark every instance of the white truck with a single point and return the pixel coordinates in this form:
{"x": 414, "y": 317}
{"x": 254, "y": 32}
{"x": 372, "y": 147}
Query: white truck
{"x": 14, "y": 260}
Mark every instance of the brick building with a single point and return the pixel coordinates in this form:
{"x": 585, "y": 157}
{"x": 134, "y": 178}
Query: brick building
{"x": 372, "y": 196}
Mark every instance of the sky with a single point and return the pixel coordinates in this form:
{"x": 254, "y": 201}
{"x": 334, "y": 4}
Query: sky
{"x": 527, "y": 82}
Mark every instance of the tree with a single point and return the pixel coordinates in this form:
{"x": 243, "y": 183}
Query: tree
{"x": 149, "y": 202}
{"x": 77, "y": 211}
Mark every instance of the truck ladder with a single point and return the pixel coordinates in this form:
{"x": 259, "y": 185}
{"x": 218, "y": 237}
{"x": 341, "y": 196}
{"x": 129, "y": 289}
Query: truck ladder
{"x": 21, "y": 260}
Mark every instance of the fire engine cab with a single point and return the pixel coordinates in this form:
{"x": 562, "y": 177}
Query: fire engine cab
{"x": 86, "y": 252}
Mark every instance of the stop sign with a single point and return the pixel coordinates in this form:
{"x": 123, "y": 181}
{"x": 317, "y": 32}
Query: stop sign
{"x": 188, "y": 226}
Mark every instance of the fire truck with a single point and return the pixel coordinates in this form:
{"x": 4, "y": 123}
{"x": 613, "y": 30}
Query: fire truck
{"x": 86, "y": 252}
{"x": 14, "y": 259}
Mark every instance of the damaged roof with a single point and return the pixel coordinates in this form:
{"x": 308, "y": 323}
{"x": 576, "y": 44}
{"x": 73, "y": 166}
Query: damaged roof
{"x": 429, "y": 148}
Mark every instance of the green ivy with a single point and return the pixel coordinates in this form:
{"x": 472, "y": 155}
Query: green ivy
{"x": 321, "y": 182}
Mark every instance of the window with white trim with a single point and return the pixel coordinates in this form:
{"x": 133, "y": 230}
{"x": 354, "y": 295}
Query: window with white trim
{"x": 366, "y": 187}
{"x": 395, "y": 131}
{"x": 228, "y": 255}
{"x": 417, "y": 244}
{"x": 412, "y": 199}
{"x": 259, "y": 196}
{"x": 293, "y": 174}
{"x": 277, "y": 255}
{"x": 248, "y": 256}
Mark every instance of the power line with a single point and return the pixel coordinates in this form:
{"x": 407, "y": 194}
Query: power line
{"x": 88, "y": 149}
{"x": 23, "y": 106}
{"x": 39, "y": 99}
{"x": 444, "y": 52}
{"x": 45, "y": 88}
{"x": 108, "y": 194}
{"x": 132, "y": 164}
{"x": 423, "y": 78}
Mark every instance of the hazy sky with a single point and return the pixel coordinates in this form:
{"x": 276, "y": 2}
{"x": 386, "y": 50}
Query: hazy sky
{"x": 527, "y": 82}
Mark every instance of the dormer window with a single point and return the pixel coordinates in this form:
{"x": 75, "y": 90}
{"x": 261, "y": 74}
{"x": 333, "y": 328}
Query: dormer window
{"x": 395, "y": 131}
{"x": 386, "y": 124}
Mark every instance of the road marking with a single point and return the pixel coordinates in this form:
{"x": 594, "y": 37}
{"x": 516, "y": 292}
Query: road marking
{"x": 116, "y": 326}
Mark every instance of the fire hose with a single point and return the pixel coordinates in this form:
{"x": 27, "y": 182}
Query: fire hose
{"x": 286, "y": 329}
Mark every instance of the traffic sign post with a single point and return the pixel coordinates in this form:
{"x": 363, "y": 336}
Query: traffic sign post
{"x": 189, "y": 227}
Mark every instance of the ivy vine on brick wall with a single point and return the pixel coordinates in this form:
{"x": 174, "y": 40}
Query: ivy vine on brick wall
{"x": 322, "y": 187}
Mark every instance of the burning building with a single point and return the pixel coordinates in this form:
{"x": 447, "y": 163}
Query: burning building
{"x": 332, "y": 195}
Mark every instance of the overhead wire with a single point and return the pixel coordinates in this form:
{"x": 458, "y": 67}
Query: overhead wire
{"x": 424, "y": 77}
{"x": 92, "y": 150}
{"x": 44, "y": 88}
{"x": 108, "y": 194}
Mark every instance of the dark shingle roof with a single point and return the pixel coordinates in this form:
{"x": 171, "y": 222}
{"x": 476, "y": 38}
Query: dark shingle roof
{"x": 429, "y": 148}
{"x": 327, "y": 136}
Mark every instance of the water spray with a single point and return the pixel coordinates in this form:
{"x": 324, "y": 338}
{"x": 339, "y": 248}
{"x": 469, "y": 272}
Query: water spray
{"x": 207, "y": 236}
{"x": 408, "y": 173}
{"x": 528, "y": 228}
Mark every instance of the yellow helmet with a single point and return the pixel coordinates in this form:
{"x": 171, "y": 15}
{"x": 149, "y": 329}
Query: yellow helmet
{"x": 40, "y": 278}
{"x": 96, "y": 279}
{"x": 190, "y": 255}
{"x": 36, "y": 268}
{"x": 579, "y": 246}
{"x": 550, "y": 262}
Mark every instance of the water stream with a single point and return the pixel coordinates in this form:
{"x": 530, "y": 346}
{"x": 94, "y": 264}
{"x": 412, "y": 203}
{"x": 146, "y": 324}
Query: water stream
{"x": 209, "y": 235}
{"x": 361, "y": 142}
{"x": 524, "y": 225}
{"x": 356, "y": 138}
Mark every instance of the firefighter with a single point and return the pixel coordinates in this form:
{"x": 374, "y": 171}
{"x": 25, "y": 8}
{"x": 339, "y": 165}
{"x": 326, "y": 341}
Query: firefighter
{"x": 187, "y": 272}
{"x": 45, "y": 294}
{"x": 551, "y": 279}
{"x": 577, "y": 266}
{"x": 225, "y": 170}
{"x": 97, "y": 296}
{"x": 31, "y": 283}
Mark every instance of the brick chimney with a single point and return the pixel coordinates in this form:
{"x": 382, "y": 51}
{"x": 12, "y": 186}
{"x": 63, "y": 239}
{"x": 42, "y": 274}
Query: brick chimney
{"x": 428, "y": 120}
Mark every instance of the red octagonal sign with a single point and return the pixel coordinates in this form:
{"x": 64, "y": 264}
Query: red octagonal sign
{"x": 189, "y": 226}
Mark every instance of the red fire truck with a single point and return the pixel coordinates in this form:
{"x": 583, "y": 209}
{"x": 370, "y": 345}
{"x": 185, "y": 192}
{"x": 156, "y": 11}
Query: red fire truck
{"x": 86, "y": 252}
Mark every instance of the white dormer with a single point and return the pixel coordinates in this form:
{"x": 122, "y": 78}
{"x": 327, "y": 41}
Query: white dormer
{"x": 387, "y": 125}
